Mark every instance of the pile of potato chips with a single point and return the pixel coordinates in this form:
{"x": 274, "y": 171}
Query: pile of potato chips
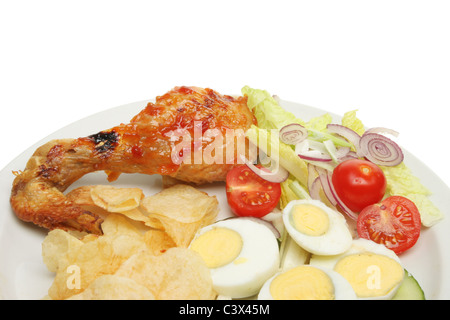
{"x": 142, "y": 253}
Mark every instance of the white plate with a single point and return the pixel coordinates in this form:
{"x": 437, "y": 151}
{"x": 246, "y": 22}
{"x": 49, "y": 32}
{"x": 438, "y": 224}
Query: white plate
{"x": 24, "y": 276}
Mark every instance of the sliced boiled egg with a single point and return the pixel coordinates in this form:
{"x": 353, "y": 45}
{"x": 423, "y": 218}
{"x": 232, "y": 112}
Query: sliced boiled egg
{"x": 307, "y": 283}
{"x": 374, "y": 271}
{"x": 317, "y": 228}
{"x": 240, "y": 253}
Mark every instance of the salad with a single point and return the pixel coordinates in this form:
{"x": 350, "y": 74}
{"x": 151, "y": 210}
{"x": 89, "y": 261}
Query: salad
{"x": 328, "y": 168}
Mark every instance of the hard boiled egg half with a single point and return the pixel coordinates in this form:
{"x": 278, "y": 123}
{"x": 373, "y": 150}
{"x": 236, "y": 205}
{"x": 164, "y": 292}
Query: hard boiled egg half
{"x": 374, "y": 271}
{"x": 306, "y": 282}
{"x": 317, "y": 228}
{"x": 240, "y": 253}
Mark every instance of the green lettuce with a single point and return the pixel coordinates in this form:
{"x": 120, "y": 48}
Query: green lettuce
{"x": 402, "y": 182}
{"x": 268, "y": 113}
{"x": 319, "y": 123}
{"x": 350, "y": 121}
{"x": 270, "y": 144}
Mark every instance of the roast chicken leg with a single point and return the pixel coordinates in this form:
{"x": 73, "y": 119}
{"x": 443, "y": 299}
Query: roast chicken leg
{"x": 145, "y": 145}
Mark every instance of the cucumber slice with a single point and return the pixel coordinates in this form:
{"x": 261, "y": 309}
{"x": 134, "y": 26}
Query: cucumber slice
{"x": 409, "y": 289}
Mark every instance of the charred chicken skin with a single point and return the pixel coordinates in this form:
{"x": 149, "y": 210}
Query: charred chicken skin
{"x": 145, "y": 145}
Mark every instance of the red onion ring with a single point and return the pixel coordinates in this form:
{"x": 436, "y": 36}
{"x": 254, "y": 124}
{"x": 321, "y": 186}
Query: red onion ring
{"x": 314, "y": 189}
{"x": 382, "y": 130}
{"x": 338, "y": 201}
{"x": 380, "y": 149}
{"x": 342, "y": 152}
{"x": 349, "y": 155}
{"x": 277, "y": 177}
{"x": 324, "y": 182}
{"x": 314, "y": 156}
{"x": 293, "y": 133}
{"x": 372, "y": 145}
{"x": 323, "y": 177}
{"x": 312, "y": 173}
{"x": 344, "y": 132}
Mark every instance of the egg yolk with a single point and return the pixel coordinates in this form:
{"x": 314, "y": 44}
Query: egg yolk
{"x": 302, "y": 283}
{"x": 310, "y": 220}
{"x": 371, "y": 275}
{"x": 218, "y": 246}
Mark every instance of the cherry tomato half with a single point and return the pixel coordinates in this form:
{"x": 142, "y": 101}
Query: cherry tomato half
{"x": 250, "y": 195}
{"x": 359, "y": 183}
{"x": 395, "y": 222}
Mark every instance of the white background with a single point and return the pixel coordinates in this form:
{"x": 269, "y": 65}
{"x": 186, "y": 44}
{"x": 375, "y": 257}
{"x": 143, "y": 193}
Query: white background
{"x": 61, "y": 61}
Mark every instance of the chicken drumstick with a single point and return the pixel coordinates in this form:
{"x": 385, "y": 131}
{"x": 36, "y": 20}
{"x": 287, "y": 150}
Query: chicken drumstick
{"x": 145, "y": 145}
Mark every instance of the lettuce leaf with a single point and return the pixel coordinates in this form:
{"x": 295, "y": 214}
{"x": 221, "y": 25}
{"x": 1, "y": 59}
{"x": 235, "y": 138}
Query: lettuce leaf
{"x": 319, "y": 123}
{"x": 350, "y": 121}
{"x": 287, "y": 194}
{"x": 268, "y": 113}
{"x": 269, "y": 142}
{"x": 401, "y": 181}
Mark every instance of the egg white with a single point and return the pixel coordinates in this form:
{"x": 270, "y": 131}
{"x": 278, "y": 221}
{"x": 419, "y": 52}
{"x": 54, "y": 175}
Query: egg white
{"x": 342, "y": 289}
{"x": 258, "y": 260}
{"x": 359, "y": 246}
{"x": 336, "y": 240}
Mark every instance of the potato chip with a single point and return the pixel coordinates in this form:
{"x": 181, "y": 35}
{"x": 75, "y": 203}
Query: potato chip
{"x": 82, "y": 264}
{"x": 137, "y": 215}
{"x": 115, "y": 199}
{"x": 181, "y": 210}
{"x": 142, "y": 253}
{"x": 181, "y": 233}
{"x": 177, "y": 274}
{"x": 89, "y": 237}
{"x": 182, "y": 203}
{"x": 83, "y": 196}
{"x": 122, "y": 236}
{"x": 117, "y": 224}
{"x": 111, "y": 287}
{"x": 55, "y": 246}
{"x": 158, "y": 241}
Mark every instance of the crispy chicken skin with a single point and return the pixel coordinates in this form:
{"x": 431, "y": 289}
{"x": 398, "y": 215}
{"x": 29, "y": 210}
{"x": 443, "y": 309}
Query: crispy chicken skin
{"x": 144, "y": 145}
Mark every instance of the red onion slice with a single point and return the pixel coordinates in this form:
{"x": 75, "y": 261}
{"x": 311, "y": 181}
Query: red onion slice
{"x": 380, "y": 150}
{"x": 313, "y": 155}
{"x": 320, "y": 152}
{"x": 312, "y": 174}
{"x": 342, "y": 152}
{"x": 314, "y": 184}
{"x": 382, "y": 130}
{"x": 323, "y": 177}
{"x": 314, "y": 189}
{"x": 344, "y": 132}
{"x": 277, "y": 176}
{"x": 293, "y": 133}
{"x": 350, "y": 155}
{"x": 338, "y": 201}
